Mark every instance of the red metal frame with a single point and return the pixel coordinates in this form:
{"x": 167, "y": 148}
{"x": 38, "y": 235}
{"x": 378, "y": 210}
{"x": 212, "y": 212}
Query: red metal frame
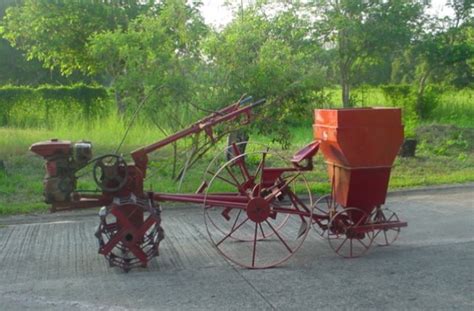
{"x": 249, "y": 197}
{"x": 137, "y": 170}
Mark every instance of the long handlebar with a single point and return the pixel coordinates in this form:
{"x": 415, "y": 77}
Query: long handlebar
{"x": 245, "y": 100}
{"x": 225, "y": 114}
{"x": 258, "y": 103}
{"x": 254, "y": 104}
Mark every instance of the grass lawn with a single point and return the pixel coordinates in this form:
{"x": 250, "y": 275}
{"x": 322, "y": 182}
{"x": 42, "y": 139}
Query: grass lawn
{"x": 445, "y": 152}
{"x": 445, "y": 155}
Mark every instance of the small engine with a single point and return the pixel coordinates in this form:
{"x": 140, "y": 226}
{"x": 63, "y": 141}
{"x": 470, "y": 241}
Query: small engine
{"x": 63, "y": 160}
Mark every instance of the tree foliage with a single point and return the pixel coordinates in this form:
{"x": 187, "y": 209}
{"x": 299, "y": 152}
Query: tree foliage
{"x": 269, "y": 56}
{"x": 156, "y": 58}
{"x": 364, "y": 31}
{"x": 163, "y": 53}
{"x": 56, "y": 32}
{"x": 442, "y": 54}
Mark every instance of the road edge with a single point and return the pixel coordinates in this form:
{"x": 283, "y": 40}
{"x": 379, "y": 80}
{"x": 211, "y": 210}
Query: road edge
{"x": 430, "y": 189}
{"x": 75, "y": 215}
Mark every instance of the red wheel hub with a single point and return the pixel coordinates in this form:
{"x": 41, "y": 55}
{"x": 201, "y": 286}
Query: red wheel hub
{"x": 258, "y": 210}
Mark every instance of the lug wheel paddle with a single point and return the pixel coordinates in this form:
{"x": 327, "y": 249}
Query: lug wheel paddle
{"x": 129, "y": 232}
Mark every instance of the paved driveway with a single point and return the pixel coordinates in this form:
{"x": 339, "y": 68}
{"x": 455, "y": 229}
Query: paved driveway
{"x": 51, "y": 262}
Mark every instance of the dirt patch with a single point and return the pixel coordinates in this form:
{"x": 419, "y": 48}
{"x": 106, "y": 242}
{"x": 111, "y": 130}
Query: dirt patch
{"x": 446, "y": 139}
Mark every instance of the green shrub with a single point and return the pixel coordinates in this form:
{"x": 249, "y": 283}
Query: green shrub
{"x": 427, "y": 103}
{"x": 403, "y": 96}
{"x": 24, "y": 106}
{"x": 396, "y": 93}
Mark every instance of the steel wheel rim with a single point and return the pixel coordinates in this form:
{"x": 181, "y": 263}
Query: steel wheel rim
{"x": 282, "y": 222}
{"x": 341, "y": 241}
{"x": 321, "y": 210}
{"x": 255, "y": 254}
{"x": 385, "y": 237}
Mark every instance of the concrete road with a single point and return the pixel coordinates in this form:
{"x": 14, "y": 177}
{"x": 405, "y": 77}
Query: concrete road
{"x": 51, "y": 262}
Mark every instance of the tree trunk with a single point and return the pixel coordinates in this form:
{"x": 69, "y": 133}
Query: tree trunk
{"x": 346, "y": 102}
{"x": 240, "y": 138}
{"x": 421, "y": 93}
{"x": 345, "y": 63}
{"x": 119, "y": 102}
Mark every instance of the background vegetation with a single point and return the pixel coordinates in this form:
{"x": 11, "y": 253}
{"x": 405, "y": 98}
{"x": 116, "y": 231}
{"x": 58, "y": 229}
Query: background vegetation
{"x": 81, "y": 69}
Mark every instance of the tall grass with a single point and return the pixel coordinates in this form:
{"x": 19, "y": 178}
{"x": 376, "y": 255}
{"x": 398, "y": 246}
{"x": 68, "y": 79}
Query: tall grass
{"x": 105, "y": 132}
{"x": 21, "y": 186}
{"x": 454, "y": 106}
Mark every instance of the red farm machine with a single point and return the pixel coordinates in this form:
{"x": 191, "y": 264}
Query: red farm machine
{"x": 258, "y": 206}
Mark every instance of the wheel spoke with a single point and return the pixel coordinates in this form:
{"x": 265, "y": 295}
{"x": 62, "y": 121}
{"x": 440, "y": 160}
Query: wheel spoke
{"x": 343, "y": 222}
{"x": 259, "y": 170}
{"x": 240, "y": 161}
{"x": 279, "y": 237}
{"x": 107, "y": 248}
{"x": 122, "y": 219}
{"x": 263, "y": 241}
{"x": 239, "y": 186}
{"x": 389, "y": 234}
{"x": 138, "y": 252}
{"x": 340, "y": 245}
{"x": 236, "y": 219}
{"x": 390, "y": 218}
{"x": 232, "y": 231}
{"x": 377, "y": 233}
{"x": 271, "y": 196}
{"x": 254, "y": 246}
{"x": 296, "y": 201}
{"x": 146, "y": 225}
{"x": 385, "y": 235}
{"x": 224, "y": 179}
{"x": 363, "y": 244}
{"x": 361, "y": 219}
{"x": 261, "y": 229}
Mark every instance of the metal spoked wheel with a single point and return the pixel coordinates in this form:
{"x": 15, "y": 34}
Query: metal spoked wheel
{"x": 265, "y": 222}
{"x": 237, "y": 172}
{"x": 129, "y": 232}
{"x": 343, "y": 237}
{"x": 323, "y": 209}
{"x": 385, "y": 237}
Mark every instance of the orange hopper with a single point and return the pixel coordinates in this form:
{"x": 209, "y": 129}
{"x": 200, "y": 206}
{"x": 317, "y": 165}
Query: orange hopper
{"x": 359, "y": 146}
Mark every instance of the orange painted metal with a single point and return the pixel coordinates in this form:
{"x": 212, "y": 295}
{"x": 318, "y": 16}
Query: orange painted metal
{"x": 359, "y": 146}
